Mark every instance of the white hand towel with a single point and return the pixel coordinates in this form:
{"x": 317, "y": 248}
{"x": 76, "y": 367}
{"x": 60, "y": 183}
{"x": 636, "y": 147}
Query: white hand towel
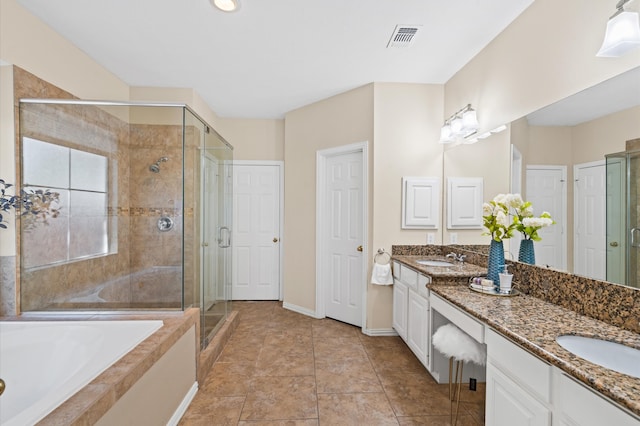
{"x": 381, "y": 274}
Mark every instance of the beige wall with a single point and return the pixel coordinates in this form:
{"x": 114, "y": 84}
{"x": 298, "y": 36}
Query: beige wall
{"x": 254, "y": 139}
{"x": 333, "y": 122}
{"x": 606, "y": 135}
{"x": 407, "y": 120}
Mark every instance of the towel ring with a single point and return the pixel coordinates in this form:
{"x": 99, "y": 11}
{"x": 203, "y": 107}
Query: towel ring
{"x": 381, "y": 252}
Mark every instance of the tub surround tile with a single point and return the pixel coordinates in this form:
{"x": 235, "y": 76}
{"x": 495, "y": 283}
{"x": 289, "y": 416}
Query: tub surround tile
{"x": 534, "y": 324}
{"x": 214, "y": 349}
{"x": 7, "y": 285}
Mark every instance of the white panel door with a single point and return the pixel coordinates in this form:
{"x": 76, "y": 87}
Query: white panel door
{"x": 343, "y": 286}
{"x": 590, "y": 221}
{"x": 546, "y": 191}
{"x": 256, "y": 232}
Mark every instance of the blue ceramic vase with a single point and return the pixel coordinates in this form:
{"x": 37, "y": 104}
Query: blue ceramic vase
{"x": 496, "y": 261}
{"x": 527, "y": 253}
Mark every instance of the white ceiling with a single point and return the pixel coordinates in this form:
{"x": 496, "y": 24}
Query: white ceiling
{"x": 273, "y": 56}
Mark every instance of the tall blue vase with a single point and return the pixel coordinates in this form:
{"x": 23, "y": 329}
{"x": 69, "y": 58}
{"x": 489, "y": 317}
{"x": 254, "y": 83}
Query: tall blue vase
{"x": 527, "y": 253}
{"x": 496, "y": 261}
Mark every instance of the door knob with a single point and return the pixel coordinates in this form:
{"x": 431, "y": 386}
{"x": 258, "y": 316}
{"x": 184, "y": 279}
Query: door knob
{"x": 275, "y": 240}
{"x": 359, "y": 248}
{"x": 613, "y": 244}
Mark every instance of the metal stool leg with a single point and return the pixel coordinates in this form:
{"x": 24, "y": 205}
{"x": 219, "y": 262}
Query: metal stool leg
{"x": 459, "y": 383}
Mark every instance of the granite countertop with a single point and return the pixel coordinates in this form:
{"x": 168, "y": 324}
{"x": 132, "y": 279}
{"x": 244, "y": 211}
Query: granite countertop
{"x": 534, "y": 325}
{"x": 460, "y": 270}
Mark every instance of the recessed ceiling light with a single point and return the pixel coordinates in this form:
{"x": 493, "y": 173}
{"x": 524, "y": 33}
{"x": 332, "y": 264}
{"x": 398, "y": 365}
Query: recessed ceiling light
{"x": 226, "y": 5}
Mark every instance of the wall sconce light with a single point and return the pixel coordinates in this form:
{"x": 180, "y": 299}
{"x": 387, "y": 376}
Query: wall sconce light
{"x": 226, "y": 5}
{"x": 462, "y": 124}
{"x": 623, "y": 33}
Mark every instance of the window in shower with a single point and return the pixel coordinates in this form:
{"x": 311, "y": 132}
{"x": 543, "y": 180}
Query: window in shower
{"x": 79, "y": 181}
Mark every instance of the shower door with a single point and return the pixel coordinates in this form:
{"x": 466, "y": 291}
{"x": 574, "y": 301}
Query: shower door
{"x": 616, "y": 219}
{"x": 633, "y": 252}
{"x": 215, "y": 233}
{"x": 623, "y": 222}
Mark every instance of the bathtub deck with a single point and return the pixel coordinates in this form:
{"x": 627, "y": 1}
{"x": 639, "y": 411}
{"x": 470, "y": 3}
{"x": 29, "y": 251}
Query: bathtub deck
{"x": 94, "y": 400}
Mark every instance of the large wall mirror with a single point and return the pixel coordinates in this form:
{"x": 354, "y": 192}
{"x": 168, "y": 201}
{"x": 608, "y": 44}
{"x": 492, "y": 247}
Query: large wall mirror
{"x": 557, "y": 158}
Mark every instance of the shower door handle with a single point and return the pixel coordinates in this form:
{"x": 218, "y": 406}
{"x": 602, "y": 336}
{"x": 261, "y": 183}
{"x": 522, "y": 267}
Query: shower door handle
{"x": 227, "y": 242}
{"x": 634, "y": 239}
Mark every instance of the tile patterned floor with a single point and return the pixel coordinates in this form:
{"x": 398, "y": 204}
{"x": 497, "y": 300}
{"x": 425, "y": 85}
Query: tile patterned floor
{"x": 283, "y": 368}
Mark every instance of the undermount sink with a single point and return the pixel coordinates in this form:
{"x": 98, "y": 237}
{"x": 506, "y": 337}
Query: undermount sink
{"x": 614, "y": 356}
{"x": 428, "y": 262}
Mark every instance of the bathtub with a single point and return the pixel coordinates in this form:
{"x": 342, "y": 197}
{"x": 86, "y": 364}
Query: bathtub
{"x": 43, "y": 363}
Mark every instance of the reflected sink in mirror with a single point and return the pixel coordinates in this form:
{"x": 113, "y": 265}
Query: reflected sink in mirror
{"x": 611, "y": 355}
{"x": 428, "y": 262}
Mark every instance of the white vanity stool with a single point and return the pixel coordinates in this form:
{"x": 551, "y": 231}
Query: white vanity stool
{"x": 455, "y": 343}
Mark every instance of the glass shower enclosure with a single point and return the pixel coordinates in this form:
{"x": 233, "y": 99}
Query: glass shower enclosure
{"x": 623, "y": 224}
{"x": 125, "y": 207}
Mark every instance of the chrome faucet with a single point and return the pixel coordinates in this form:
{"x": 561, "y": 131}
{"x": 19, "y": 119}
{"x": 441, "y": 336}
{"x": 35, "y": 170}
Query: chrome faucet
{"x": 458, "y": 257}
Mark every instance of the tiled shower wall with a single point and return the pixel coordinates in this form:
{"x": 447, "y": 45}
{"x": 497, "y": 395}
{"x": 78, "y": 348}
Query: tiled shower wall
{"x": 145, "y": 269}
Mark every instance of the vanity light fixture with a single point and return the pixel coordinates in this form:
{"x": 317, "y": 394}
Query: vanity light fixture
{"x": 226, "y": 5}
{"x": 462, "y": 124}
{"x": 623, "y": 32}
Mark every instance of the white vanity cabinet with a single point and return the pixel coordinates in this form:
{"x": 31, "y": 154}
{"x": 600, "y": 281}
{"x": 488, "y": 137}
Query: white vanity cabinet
{"x": 411, "y": 310}
{"x": 518, "y": 385}
{"x": 524, "y": 390}
{"x": 400, "y": 303}
{"x": 575, "y": 404}
{"x": 418, "y": 322}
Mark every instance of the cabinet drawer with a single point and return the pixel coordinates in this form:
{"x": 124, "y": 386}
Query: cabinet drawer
{"x": 527, "y": 370}
{"x": 463, "y": 321}
{"x": 409, "y": 277}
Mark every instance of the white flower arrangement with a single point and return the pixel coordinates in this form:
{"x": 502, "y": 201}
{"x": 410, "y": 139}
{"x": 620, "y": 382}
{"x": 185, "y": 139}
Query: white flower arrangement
{"x": 496, "y": 218}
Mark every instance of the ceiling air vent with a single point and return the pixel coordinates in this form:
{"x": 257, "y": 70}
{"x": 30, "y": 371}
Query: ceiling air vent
{"x": 403, "y": 35}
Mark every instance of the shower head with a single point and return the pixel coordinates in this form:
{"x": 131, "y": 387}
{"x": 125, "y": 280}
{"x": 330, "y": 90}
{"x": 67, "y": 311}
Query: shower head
{"x": 155, "y": 168}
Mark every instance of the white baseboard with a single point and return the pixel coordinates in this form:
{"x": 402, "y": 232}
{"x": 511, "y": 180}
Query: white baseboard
{"x": 379, "y": 332}
{"x": 300, "y": 310}
{"x": 182, "y": 408}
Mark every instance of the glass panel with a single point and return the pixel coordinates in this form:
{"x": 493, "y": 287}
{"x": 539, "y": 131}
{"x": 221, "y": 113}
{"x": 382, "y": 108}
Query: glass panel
{"x": 616, "y": 219}
{"x": 88, "y": 171}
{"x": 87, "y": 224}
{"x": 45, "y": 164}
{"x": 633, "y": 259}
{"x": 44, "y": 239}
